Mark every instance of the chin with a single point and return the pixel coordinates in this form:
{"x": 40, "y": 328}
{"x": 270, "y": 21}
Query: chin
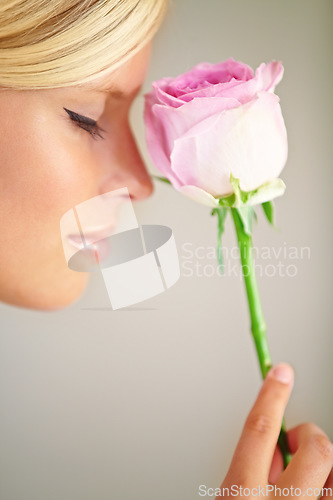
{"x": 47, "y": 295}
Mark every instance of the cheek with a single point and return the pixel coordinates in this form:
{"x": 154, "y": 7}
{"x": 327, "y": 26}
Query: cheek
{"x": 45, "y": 169}
{"x": 42, "y": 179}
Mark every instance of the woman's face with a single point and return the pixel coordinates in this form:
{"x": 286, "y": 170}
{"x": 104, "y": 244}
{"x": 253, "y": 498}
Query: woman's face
{"x": 49, "y": 164}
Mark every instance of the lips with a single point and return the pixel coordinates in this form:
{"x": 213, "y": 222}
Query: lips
{"x": 87, "y": 228}
{"x": 80, "y": 242}
{"x": 94, "y": 246}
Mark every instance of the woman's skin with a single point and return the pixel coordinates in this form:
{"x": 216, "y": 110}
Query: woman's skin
{"x": 49, "y": 164}
{"x": 257, "y": 461}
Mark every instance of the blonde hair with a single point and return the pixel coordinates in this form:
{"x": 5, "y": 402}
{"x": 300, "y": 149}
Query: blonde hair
{"x": 59, "y": 43}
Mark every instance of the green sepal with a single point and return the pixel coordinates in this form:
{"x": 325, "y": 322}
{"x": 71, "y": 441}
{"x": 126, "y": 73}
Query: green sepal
{"x": 238, "y": 198}
{"x": 268, "y": 207}
{"x": 237, "y": 191}
{"x": 221, "y": 216}
{"x": 227, "y": 201}
{"x": 263, "y": 194}
{"x": 162, "y": 179}
{"x": 246, "y": 215}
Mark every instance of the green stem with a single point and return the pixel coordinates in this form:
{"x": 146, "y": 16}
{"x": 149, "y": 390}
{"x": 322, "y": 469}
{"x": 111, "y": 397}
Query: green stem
{"x": 258, "y": 325}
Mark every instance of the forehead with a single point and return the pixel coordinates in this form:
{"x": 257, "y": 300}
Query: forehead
{"x": 127, "y": 78}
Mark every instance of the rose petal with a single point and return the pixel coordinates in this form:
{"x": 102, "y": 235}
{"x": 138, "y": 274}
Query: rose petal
{"x": 269, "y": 75}
{"x": 199, "y": 195}
{"x": 157, "y": 143}
{"x": 249, "y": 141}
{"x": 162, "y": 96}
{"x": 212, "y": 74}
{"x": 176, "y": 122}
{"x": 268, "y": 192}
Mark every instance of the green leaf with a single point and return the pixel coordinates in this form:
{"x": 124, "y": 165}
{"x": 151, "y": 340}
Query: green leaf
{"x": 221, "y": 216}
{"x": 162, "y": 179}
{"x": 246, "y": 215}
{"x": 268, "y": 207}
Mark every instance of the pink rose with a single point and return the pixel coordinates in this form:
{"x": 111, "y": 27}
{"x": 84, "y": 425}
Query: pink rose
{"x": 214, "y": 121}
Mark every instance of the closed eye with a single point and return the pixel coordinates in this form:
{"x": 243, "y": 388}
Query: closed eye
{"x": 87, "y": 124}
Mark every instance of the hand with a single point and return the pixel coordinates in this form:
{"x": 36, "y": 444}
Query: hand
{"x": 257, "y": 461}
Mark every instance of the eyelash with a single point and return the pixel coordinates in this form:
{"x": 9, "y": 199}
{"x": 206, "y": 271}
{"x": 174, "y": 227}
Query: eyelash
{"x": 87, "y": 124}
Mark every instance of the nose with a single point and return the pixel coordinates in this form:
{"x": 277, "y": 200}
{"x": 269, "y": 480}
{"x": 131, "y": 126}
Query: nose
{"x": 126, "y": 167}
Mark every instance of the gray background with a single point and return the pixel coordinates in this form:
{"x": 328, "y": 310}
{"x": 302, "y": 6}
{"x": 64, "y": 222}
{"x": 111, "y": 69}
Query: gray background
{"x": 148, "y": 402}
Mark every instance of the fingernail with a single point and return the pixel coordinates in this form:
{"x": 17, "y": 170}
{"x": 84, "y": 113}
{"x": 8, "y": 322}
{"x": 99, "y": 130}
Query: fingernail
{"x": 283, "y": 373}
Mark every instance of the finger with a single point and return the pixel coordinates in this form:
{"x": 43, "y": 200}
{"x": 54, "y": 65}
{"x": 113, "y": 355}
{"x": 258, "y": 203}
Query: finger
{"x": 301, "y": 432}
{"x": 277, "y": 466}
{"x": 328, "y": 487}
{"x": 312, "y": 462}
{"x": 254, "y": 453}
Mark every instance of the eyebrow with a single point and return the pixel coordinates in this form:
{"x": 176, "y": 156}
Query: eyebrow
{"x": 116, "y": 94}
{"x": 113, "y": 92}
